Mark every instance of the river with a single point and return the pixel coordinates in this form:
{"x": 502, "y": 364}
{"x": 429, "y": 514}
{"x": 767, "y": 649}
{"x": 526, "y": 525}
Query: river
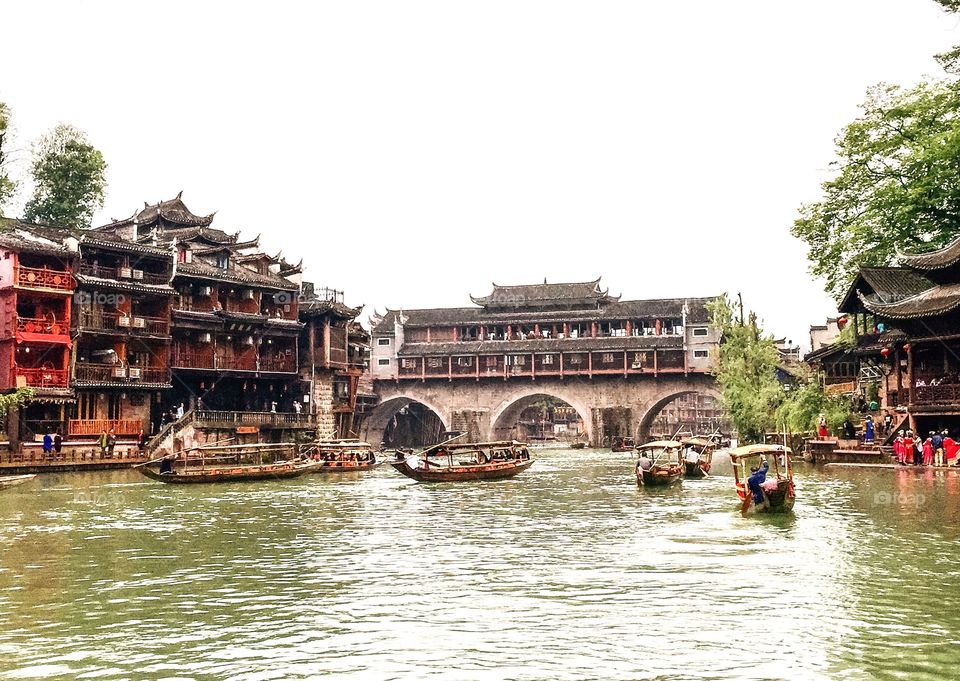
{"x": 567, "y": 571}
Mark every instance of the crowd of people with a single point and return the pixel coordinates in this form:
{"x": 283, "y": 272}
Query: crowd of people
{"x": 937, "y": 449}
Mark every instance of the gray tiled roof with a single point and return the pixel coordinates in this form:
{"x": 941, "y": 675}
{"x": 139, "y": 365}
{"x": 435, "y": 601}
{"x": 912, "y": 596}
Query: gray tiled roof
{"x": 887, "y": 284}
{"x": 236, "y": 274}
{"x": 930, "y": 303}
{"x": 934, "y": 260}
{"x": 667, "y": 308}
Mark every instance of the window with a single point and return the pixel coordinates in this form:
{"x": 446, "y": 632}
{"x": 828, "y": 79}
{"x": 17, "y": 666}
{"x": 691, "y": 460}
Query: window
{"x": 700, "y": 331}
{"x": 383, "y": 341}
{"x": 547, "y": 359}
{"x": 406, "y": 363}
{"x": 386, "y": 363}
{"x": 433, "y": 362}
{"x": 701, "y": 354}
{"x": 575, "y": 359}
{"x": 465, "y": 361}
{"x": 491, "y": 362}
{"x": 608, "y": 358}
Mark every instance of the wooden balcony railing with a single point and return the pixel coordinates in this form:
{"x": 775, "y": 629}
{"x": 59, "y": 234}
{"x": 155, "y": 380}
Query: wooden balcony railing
{"x": 186, "y": 359}
{"x": 123, "y": 274}
{"x": 88, "y": 372}
{"x": 946, "y": 395}
{"x": 97, "y": 426}
{"x": 44, "y": 326}
{"x": 232, "y": 419}
{"x": 44, "y": 278}
{"x": 98, "y": 320}
{"x": 45, "y": 378}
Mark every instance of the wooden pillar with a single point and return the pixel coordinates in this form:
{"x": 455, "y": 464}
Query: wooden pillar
{"x": 533, "y": 366}
{"x": 450, "y": 368}
{"x": 428, "y": 334}
{"x": 656, "y": 370}
{"x": 566, "y": 330}
{"x": 593, "y": 329}
{"x": 561, "y": 364}
{"x": 483, "y": 333}
{"x": 423, "y": 368}
{"x": 624, "y": 363}
{"x": 477, "y": 360}
{"x": 590, "y": 364}
{"x": 659, "y": 327}
{"x": 910, "y": 380}
{"x": 629, "y": 328}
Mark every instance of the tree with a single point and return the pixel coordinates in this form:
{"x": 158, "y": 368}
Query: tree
{"x": 895, "y": 187}
{"x": 747, "y": 372}
{"x": 7, "y": 185}
{"x": 69, "y": 179}
{"x": 13, "y": 400}
{"x": 800, "y": 412}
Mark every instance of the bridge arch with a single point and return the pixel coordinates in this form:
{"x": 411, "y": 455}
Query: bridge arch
{"x": 504, "y": 417}
{"x": 661, "y": 401}
{"x": 375, "y": 426}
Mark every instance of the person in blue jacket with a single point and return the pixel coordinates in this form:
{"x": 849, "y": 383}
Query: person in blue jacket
{"x": 868, "y": 429}
{"x": 757, "y": 478}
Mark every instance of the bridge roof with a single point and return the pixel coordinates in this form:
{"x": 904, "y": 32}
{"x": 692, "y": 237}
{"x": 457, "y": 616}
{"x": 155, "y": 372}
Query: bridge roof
{"x": 662, "y": 308}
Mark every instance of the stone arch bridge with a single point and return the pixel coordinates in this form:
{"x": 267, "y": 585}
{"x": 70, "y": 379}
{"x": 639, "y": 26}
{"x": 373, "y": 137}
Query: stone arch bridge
{"x": 490, "y": 409}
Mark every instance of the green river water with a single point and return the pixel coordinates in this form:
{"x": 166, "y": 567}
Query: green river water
{"x": 567, "y": 571}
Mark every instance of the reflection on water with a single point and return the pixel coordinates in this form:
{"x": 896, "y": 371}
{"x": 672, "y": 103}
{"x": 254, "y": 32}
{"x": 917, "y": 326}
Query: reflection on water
{"x": 566, "y": 572}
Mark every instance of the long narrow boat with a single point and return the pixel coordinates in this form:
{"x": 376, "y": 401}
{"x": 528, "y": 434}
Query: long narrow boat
{"x": 658, "y": 463}
{"x": 468, "y": 461}
{"x": 233, "y": 463}
{"x": 776, "y": 491}
{"x": 621, "y": 444}
{"x": 341, "y": 456}
{"x": 11, "y": 480}
{"x": 231, "y": 473}
{"x": 697, "y": 456}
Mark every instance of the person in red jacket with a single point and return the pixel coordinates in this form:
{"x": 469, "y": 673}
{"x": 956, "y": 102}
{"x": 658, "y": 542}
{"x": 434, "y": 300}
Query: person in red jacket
{"x": 949, "y": 449}
{"x": 909, "y": 449}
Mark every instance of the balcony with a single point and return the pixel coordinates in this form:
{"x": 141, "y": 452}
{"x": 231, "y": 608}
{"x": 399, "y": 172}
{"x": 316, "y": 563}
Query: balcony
{"x": 89, "y": 372}
{"x": 98, "y": 426}
{"x": 124, "y": 274}
{"x": 260, "y": 419}
{"x": 44, "y": 279}
{"x": 114, "y": 322}
{"x": 43, "y": 327}
{"x": 193, "y": 359}
{"x": 44, "y": 378}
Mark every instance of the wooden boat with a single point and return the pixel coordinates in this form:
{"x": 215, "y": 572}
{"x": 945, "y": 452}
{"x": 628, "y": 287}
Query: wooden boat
{"x": 622, "y": 444}
{"x": 340, "y": 456}
{"x": 578, "y": 445}
{"x": 12, "y": 480}
{"x": 234, "y": 463}
{"x": 697, "y": 456}
{"x": 469, "y": 461}
{"x": 777, "y": 490}
{"x": 659, "y": 463}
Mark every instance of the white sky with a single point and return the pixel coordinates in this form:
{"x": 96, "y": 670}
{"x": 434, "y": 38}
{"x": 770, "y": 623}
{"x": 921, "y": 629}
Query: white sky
{"x": 413, "y": 152}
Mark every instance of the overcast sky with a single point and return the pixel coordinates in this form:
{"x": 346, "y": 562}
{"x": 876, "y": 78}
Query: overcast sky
{"x": 414, "y": 152}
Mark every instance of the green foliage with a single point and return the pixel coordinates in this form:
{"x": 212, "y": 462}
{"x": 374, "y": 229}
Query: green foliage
{"x": 895, "y": 185}
{"x": 746, "y": 372}
{"x": 69, "y": 179}
{"x": 802, "y": 409}
{"x": 13, "y": 400}
{"x": 7, "y": 185}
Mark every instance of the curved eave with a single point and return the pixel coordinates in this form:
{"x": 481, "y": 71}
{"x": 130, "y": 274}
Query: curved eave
{"x": 931, "y": 303}
{"x": 939, "y": 259}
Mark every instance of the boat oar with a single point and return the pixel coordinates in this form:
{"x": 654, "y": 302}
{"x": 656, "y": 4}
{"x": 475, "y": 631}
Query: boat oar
{"x": 181, "y": 451}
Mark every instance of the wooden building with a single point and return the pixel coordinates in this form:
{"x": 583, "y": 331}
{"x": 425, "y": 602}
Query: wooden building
{"x": 117, "y": 326}
{"x": 906, "y": 321}
{"x": 544, "y": 330}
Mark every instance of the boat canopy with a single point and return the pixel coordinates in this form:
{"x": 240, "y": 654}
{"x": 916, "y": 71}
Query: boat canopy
{"x": 750, "y": 451}
{"x": 697, "y": 442}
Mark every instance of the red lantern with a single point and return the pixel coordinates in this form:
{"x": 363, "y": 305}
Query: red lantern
{"x": 842, "y": 322}
{"x": 906, "y": 347}
{"x": 885, "y": 352}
